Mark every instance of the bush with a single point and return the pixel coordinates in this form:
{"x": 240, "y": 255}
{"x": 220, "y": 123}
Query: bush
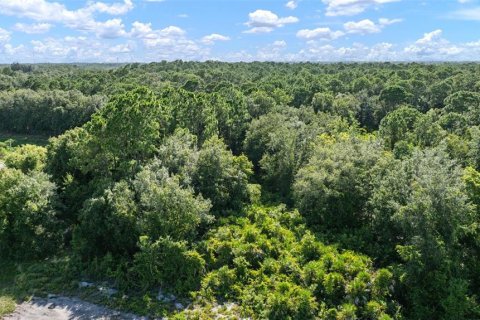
{"x": 29, "y": 227}
{"x": 167, "y": 264}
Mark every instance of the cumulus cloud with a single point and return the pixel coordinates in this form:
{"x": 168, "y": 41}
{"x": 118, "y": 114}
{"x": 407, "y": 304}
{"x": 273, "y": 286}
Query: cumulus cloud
{"x": 214, "y": 37}
{"x": 351, "y": 7}
{"x": 367, "y": 26}
{"x": 319, "y": 34}
{"x": 271, "y": 52}
{"x": 81, "y": 19}
{"x": 35, "y": 28}
{"x": 113, "y": 9}
{"x": 433, "y": 45}
{"x": 264, "y": 21}
{"x": 122, "y": 48}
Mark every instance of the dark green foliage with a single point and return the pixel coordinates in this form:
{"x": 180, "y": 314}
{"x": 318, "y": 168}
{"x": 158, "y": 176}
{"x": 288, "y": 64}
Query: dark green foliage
{"x": 177, "y": 185}
{"x": 331, "y": 190}
{"x": 50, "y": 112}
{"x": 221, "y": 177}
{"x": 421, "y": 208}
{"x": 126, "y": 130}
{"x": 397, "y": 125}
{"x": 168, "y": 264}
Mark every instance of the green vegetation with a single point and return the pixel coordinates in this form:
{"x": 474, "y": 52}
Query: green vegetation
{"x": 262, "y": 190}
{"x": 14, "y": 140}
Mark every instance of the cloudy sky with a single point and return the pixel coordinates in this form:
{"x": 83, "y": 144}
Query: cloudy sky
{"x": 239, "y": 30}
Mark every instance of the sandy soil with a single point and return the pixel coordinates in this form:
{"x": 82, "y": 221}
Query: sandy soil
{"x": 63, "y": 308}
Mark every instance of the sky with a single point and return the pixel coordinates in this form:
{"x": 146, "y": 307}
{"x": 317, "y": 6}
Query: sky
{"x": 34, "y": 31}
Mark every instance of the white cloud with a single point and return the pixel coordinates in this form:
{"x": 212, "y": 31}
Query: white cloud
{"x": 263, "y": 21}
{"x": 272, "y": 52}
{"x": 362, "y": 27}
{"x": 121, "y": 48}
{"x": 81, "y": 19}
{"x": 433, "y": 45}
{"x": 35, "y": 28}
{"x": 214, "y": 37}
{"x": 110, "y": 29}
{"x": 113, "y": 9}
{"x": 164, "y": 37}
{"x": 367, "y": 26}
{"x": 387, "y": 22}
{"x": 319, "y": 34}
{"x": 4, "y": 36}
{"x": 351, "y": 7}
{"x": 280, "y": 43}
{"x": 292, "y": 4}
{"x": 11, "y": 50}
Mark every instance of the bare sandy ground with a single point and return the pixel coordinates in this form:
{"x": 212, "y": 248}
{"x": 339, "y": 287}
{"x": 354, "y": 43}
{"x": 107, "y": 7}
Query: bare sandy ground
{"x": 63, "y": 308}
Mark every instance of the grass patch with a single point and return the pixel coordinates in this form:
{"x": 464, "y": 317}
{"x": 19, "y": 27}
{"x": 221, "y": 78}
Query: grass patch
{"x": 19, "y": 139}
{"x": 7, "y": 301}
{"x": 7, "y": 305}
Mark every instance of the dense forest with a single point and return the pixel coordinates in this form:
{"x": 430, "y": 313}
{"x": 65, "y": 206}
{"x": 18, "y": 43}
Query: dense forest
{"x": 247, "y": 190}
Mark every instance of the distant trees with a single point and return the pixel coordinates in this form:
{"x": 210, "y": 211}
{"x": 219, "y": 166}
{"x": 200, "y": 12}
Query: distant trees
{"x": 45, "y": 112}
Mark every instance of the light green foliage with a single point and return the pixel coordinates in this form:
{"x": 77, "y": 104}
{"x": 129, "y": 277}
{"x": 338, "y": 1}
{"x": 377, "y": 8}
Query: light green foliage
{"x": 26, "y": 158}
{"x": 471, "y": 177}
{"x": 7, "y": 305}
{"x": 197, "y": 112}
{"x": 179, "y": 154}
{"x": 280, "y": 271}
{"x": 167, "y": 209}
{"x": 28, "y": 224}
{"x": 64, "y": 154}
{"x": 168, "y": 264}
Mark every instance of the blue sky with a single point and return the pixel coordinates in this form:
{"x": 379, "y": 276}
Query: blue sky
{"x": 239, "y": 30}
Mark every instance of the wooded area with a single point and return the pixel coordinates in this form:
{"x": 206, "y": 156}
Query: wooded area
{"x": 262, "y": 190}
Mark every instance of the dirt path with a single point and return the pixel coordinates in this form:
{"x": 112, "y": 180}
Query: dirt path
{"x": 63, "y": 308}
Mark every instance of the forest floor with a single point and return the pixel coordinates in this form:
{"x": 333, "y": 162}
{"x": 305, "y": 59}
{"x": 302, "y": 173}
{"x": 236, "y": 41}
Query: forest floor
{"x": 64, "y": 308}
